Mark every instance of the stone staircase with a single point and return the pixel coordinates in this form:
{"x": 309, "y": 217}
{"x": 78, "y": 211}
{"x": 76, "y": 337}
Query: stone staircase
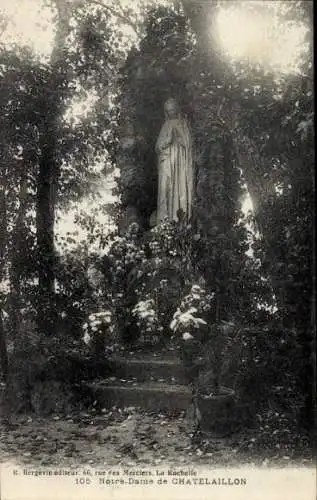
{"x": 151, "y": 382}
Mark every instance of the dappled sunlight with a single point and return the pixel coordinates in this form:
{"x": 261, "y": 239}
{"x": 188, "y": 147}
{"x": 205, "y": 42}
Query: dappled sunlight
{"x": 80, "y": 107}
{"x": 135, "y": 337}
{"x": 247, "y": 205}
{"x": 67, "y": 221}
{"x": 30, "y": 24}
{"x": 247, "y": 30}
{"x": 260, "y": 37}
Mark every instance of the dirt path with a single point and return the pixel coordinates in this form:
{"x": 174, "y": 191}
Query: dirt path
{"x": 129, "y": 438}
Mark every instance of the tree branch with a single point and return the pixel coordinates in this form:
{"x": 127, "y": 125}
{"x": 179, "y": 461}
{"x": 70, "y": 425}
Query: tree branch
{"x": 200, "y": 12}
{"x": 123, "y": 18}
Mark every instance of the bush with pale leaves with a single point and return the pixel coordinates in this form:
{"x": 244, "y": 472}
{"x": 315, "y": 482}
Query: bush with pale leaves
{"x": 148, "y": 322}
{"x": 191, "y": 316}
{"x": 98, "y": 323}
{"x": 186, "y": 320}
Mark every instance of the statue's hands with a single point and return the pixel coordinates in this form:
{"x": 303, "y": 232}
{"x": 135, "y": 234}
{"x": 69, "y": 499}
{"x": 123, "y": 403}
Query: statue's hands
{"x": 177, "y": 136}
{"x": 170, "y": 134}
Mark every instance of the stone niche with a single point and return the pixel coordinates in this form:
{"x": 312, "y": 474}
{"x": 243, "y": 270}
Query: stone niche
{"x": 137, "y": 161}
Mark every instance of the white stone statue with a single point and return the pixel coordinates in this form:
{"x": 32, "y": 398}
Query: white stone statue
{"x": 175, "y": 165}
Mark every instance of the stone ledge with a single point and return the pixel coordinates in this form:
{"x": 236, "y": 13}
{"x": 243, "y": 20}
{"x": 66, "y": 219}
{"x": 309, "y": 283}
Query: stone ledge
{"x": 150, "y": 395}
{"x": 150, "y": 368}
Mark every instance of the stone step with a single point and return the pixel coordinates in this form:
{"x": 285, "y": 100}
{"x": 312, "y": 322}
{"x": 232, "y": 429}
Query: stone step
{"x": 147, "y": 395}
{"x": 150, "y": 369}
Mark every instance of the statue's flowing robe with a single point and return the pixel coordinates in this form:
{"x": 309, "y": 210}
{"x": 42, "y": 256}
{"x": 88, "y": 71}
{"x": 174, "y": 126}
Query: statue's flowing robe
{"x": 175, "y": 170}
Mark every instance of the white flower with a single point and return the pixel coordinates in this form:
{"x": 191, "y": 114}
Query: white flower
{"x": 174, "y": 322}
{"x": 187, "y": 336}
{"x": 142, "y": 313}
{"x": 177, "y": 313}
{"x": 5, "y": 315}
{"x": 195, "y": 296}
{"x": 186, "y": 319}
{"x": 87, "y": 338}
{"x": 144, "y": 307}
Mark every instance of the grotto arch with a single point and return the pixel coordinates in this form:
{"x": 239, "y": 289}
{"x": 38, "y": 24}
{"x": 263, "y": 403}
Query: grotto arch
{"x": 166, "y": 65}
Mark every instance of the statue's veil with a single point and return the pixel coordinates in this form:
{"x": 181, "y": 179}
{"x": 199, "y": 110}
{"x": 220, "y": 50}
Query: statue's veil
{"x": 172, "y": 101}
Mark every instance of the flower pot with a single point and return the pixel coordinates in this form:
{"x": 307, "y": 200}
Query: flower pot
{"x": 216, "y": 412}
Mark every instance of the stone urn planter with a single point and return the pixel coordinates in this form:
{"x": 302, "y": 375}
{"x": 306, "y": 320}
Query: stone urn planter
{"x": 215, "y": 412}
{"x": 211, "y": 355}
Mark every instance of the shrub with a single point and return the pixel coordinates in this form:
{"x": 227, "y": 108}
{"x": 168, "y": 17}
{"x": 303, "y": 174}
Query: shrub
{"x": 100, "y": 332}
{"x": 148, "y": 322}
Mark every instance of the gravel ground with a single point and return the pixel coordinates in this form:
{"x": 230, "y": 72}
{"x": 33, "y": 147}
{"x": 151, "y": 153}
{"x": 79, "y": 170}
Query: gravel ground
{"x": 130, "y": 437}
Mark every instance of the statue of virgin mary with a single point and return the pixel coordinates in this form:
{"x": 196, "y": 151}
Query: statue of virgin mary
{"x": 175, "y": 165}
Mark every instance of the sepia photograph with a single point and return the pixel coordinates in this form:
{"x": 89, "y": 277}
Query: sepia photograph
{"x": 157, "y": 264}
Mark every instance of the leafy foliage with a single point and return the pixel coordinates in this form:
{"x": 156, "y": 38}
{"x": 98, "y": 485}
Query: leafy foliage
{"x": 250, "y": 131}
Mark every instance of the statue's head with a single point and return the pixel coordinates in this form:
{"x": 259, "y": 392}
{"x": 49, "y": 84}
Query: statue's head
{"x": 171, "y": 108}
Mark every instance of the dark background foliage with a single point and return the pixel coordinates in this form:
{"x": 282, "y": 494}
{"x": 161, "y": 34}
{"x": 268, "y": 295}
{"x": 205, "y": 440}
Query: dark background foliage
{"x": 251, "y": 132}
